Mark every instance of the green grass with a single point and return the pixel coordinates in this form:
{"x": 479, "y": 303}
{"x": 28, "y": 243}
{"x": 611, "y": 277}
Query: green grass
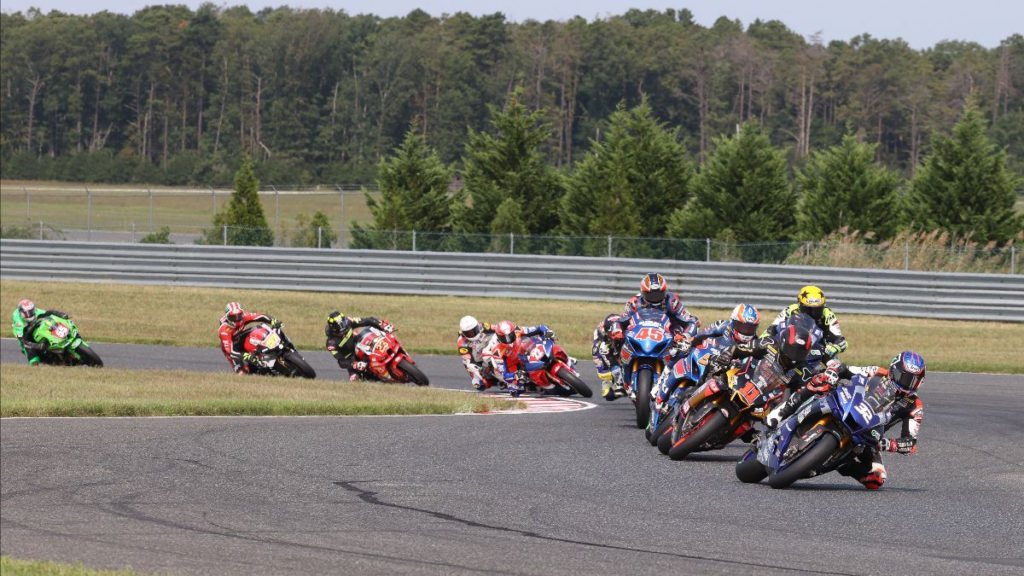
{"x": 17, "y": 567}
{"x": 61, "y": 391}
{"x": 67, "y": 206}
{"x": 183, "y": 316}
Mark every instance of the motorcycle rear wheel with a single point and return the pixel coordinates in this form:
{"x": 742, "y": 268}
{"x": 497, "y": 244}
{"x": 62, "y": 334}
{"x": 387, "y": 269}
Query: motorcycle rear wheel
{"x": 416, "y": 376}
{"x": 644, "y": 381}
{"x": 706, "y": 429}
{"x": 575, "y": 383}
{"x": 88, "y": 356}
{"x": 809, "y": 460}
{"x": 749, "y": 469}
{"x": 298, "y": 365}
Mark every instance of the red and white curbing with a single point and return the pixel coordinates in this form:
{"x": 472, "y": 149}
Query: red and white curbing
{"x": 543, "y": 405}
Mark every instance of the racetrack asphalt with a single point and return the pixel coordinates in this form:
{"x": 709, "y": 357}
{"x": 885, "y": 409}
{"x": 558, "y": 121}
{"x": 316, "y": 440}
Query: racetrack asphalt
{"x": 568, "y": 493}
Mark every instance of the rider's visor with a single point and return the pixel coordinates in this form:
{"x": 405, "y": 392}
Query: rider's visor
{"x": 473, "y": 332}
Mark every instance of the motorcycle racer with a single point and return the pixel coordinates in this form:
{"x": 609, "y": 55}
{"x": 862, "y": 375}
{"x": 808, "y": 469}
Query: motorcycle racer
{"x": 22, "y": 316}
{"x": 654, "y": 293}
{"x": 903, "y": 378}
{"x": 473, "y": 338}
{"x": 811, "y": 301}
{"x": 231, "y": 334}
{"x": 608, "y": 339}
{"x": 502, "y": 353}
{"x": 342, "y": 345}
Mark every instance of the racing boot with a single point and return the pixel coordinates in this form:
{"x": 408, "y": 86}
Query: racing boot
{"x": 873, "y": 480}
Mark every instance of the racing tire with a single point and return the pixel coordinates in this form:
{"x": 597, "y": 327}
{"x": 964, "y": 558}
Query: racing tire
{"x": 662, "y": 430}
{"x": 644, "y": 382}
{"x": 749, "y": 469}
{"x": 299, "y": 367}
{"x": 88, "y": 356}
{"x": 574, "y": 382}
{"x": 806, "y": 462}
{"x": 710, "y": 425}
{"x": 416, "y": 376}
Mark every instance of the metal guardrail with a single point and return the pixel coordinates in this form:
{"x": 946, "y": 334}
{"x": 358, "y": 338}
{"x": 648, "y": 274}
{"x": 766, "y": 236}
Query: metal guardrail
{"x": 711, "y": 284}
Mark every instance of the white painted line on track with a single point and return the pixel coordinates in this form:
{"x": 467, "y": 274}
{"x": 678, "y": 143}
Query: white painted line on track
{"x": 539, "y": 405}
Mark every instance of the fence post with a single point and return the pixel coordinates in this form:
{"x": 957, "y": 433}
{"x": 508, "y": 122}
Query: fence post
{"x": 609, "y": 245}
{"x": 213, "y": 195}
{"x": 150, "y": 210}
{"x": 1013, "y": 258}
{"x": 225, "y": 234}
{"x": 40, "y": 229}
{"x": 133, "y": 232}
{"x": 28, "y": 204}
{"x": 906, "y": 256}
{"x": 277, "y": 210}
{"x": 707, "y": 249}
{"x": 511, "y": 243}
{"x": 88, "y": 212}
{"x": 319, "y": 236}
{"x": 413, "y": 240}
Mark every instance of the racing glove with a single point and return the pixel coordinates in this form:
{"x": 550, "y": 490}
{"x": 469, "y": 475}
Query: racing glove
{"x": 387, "y": 326}
{"x": 902, "y": 446}
{"x": 823, "y": 382}
{"x": 276, "y": 324}
{"x": 832, "y": 350}
{"x": 359, "y": 366}
{"x": 522, "y": 377}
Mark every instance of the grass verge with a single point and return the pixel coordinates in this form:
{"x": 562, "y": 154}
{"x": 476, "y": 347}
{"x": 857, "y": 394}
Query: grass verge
{"x": 186, "y": 316}
{"x": 17, "y": 567}
{"x": 60, "y": 391}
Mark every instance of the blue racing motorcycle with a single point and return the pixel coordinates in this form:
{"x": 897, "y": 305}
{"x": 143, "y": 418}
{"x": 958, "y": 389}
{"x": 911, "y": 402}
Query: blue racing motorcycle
{"x": 820, "y": 435}
{"x": 680, "y": 378}
{"x": 648, "y": 336}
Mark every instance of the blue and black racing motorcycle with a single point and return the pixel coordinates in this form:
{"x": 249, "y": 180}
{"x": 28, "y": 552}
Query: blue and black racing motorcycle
{"x": 648, "y": 336}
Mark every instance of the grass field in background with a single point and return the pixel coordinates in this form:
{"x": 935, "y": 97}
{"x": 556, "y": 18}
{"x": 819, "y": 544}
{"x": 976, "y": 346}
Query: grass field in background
{"x": 62, "y": 391}
{"x": 17, "y": 567}
{"x": 184, "y": 316}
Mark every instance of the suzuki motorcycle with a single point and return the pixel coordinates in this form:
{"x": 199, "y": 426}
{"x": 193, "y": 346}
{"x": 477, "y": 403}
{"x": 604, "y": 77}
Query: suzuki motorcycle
{"x": 820, "y": 435}
{"x": 62, "y": 343}
{"x": 648, "y": 337}
{"x": 273, "y": 353}
{"x": 688, "y": 371}
{"x": 549, "y": 367}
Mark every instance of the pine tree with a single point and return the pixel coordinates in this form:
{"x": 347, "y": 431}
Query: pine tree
{"x": 243, "y": 215}
{"x": 509, "y": 164}
{"x": 742, "y": 193}
{"x": 843, "y": 186}
{"x": 964, "y": 186}
{"x": 629, "y": 183}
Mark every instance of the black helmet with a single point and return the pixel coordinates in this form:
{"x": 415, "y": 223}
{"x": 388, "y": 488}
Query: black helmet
{"x": 794, "y": 345}
{"x": 338, "y": 323}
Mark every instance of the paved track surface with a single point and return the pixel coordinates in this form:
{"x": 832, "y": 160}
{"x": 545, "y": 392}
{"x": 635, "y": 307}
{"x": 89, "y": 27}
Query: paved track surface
{"x": 570, "y": 493}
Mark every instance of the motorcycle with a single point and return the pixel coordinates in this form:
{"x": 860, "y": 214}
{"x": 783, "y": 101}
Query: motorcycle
{"x": 717, "y": 413}
{"x": 820, "y": 435}
{"x": 549, "y": 367}
{"x": 272, "y": 353}
{"x": 62, "y": 344}
{"x": 648, "y": 336}
{"x": 386, "y": 359}
{"x": 688, "y": 371}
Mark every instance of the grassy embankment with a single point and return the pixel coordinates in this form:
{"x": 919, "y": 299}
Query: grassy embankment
{"x": 17, "y": 567}
{"x": 183, "y": 316}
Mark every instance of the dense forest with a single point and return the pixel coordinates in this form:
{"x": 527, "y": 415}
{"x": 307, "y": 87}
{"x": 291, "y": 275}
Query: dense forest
{"x": 177, "y": 96}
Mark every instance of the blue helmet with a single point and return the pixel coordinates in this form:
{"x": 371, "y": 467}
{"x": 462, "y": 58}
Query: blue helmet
{"x": 907, "y": 371}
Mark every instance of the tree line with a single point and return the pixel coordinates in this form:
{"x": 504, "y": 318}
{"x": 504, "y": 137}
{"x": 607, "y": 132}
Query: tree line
{"x": 769, "y": 118}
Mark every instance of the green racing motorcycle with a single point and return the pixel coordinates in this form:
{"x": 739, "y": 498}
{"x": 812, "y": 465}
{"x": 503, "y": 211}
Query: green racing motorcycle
{"x": 62, "y": 344}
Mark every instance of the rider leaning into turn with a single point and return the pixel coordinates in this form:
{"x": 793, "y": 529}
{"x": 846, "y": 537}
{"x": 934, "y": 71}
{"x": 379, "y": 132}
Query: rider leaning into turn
{"x": 23, "y": 315}
{"x": 608, "y": 339}
{"x": 473, "y": 338}
{"x": 654, "y": 293}
{"x": 811, "y": 301}
{"x": 902, "y": 379}
{"x": 231, "y": 334}
{"x": 502, "y": 352}
{"x": 342, "y": 344}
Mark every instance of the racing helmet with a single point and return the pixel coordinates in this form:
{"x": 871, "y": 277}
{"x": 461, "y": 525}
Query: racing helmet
{"x": 505, "y": 331}
{"x": 745, "y": 321}
{"x": 812, "y": 301}
{"x": 338, "y": 323}
{"x": 794, "y": 345}
{"x": 907, "y": 371}
{"x": 613, "y": 326}
{"x": 27, "y": 309}
{"x": 653, "y": 288}
{"x": 234, "y": 315}
{"x": 469, "y": 327}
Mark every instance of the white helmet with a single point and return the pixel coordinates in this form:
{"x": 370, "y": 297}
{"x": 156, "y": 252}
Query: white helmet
{"x": 469, "y": 327}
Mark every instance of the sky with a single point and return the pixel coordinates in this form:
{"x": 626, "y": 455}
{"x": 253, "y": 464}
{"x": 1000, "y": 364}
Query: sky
{"x": 921, "y": 23}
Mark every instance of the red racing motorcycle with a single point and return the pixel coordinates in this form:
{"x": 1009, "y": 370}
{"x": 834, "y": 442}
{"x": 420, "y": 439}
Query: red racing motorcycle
{"x": 549, "y": 367}
{"x": 385, "y": 357}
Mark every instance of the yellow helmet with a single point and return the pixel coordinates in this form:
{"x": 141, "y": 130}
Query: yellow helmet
{"x": 811, "y": 297}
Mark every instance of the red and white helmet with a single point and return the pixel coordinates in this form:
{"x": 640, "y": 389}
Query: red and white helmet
{"x": 505, "y": 331}
{"x": 27, "y": 309}
{"x": 234, "y": 314}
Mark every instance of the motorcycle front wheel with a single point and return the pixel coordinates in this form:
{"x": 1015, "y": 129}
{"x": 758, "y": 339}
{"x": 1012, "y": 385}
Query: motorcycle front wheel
{"x": 416, "y": 376}
{"x": 574, "y": 382}
{"x": 809, "y": 460}
{"x": 749, "y": 469}
{"x": 644, "y": 381}
{"x": 88, "y": 356}
{"x": 295, "y": 365}
{"x": 695, "y": 437}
